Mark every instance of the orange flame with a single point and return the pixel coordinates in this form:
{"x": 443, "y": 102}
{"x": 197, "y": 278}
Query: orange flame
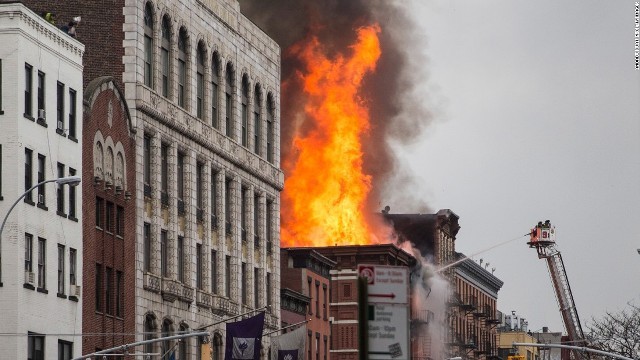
{"x": 326, "y": 188}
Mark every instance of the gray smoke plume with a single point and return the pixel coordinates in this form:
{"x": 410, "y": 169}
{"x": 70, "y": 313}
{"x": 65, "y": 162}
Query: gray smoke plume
{"x": 398, "y": 112}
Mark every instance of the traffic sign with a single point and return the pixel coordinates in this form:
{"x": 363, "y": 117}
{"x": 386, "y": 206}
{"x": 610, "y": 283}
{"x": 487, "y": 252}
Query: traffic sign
{"x": 388, "y": 332}
{"x": 386, "y": 284}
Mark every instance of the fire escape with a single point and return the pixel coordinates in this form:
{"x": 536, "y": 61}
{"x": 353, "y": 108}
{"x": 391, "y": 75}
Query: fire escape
{"x": 476, "y": 340}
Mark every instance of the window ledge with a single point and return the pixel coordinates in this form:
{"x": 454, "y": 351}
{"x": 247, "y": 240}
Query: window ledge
{"x": 61, "y": 213}
{"x": 43, "y": 206}
{"x": 29, "y": 201}
{"x": 62, "y": 296}
{"x": 61, "y": 132}
{"x": 42, "y": 290}
{"x": 72, "y": 218}
{"x": 1, "y": 112}
{"x": 29, "y": 117}
{"x": 28, "y": 286}
{"x": 41, "y": 122}
{"x": 72, "y": 138}
{"x": 73, "y": 298}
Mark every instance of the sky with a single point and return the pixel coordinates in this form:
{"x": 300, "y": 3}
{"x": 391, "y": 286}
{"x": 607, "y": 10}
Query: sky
{"x": 536, "y": 115}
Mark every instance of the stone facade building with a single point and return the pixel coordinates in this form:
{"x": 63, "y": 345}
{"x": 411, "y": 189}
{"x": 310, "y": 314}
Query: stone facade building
{"x": 202, "y": 84}
{"x": 41, "y": 241}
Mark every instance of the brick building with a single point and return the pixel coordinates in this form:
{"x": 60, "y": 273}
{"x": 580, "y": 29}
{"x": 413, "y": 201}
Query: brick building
{"x": 344, "y": 316}
{"x": 474, "y": 315}
{"x": 306, "y": 271}
{"x": 202, "y": 84}
{"x": 41, "y": 242}
{"x": 109, "y": 235}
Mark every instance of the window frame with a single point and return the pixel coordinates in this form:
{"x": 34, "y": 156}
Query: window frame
{"x": 146, "y": 231}
{"x": 60, "y": 198}
{"x": 200, "y": 81}
{"x": 164, "y": 253}
{"x": 199, "y": 266}
{"x": 148, "y": 45}
{"x": 181, "y": 96}
{"x": 244, "y": 111}
{"x": 28, "y": 175}
{"x": 165, "y": 58}
{"x": 228, "y": 91}
{"x": 215, "y": 91}
{"x": 42, "y": 194}
{"x": 28, "y": 91}
{"x": 72, "y": 197}
{"x": 257, "y": 123}
{"x": 28, "y": 252}
{"x": 72, "y": 114}
{"x": 60, "y": 90}
{"x": 61, "y": 269}
{"x": 42, "y": 263}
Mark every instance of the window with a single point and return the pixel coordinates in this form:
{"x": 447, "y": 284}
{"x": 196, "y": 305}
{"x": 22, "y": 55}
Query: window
{"x": 309, "y": 334}
{"x": 147, "y": 247}
{"x": 166, "y": 331}
{"x": 199, "y": 198}
{"x": 61, "y": 274}
{"x": 28, "y": 253}
{"x": 99, "y": 212}
{"x": 149, "y": 330}
{"x": 243, "y": 283}
{"x": 72, "y": 114}
{"x": 120, "y": 221}
{"x": 119, "y": 295}
{"x": 148, "y": 45}
{"x": 73, "y": 263}
{"x": 227, "y": 276}
{"x": 164, "y": 261}
{"x": 65, "y": 350}
{"x": 199, "y": 266}
{"x": 72, "y": 197}
{"x": 41, "y": 188}
{"x": 270, "y": 129}
{"x": 228, "y": 91}
{"x": 1, "y": 112}
{"x": 184, "y": 343}
{"x": 108, "y": 290}
{"x": 28, "y": 175}
{"x": 180, "y": 180}
{"x": 268, "y": 225}
{"x": 256, "y": 120}
{"x": 256, "y": 297}
{"x": 317, "y": 299}
{"x": 0, "y": 153}
{"x": 214, "y": 272}
{"x": 180, "y": 255}
{"x": 268, "y": 290}
{"x": 215, "y": 88}
{"x": 214, "y": 200}
{"x": 35, "y": 346}
{"x": 324, "y": 338}
{"x": 109, "y": 218}
{"x": 28, "y": 80}
{"x": 41, "y": 89}
{"x": 60, "y": 108}
{"x": 310, "y": 294}
{"x": 243, "y": 213}
{"x": 317, "y": 346}
{"x": 200, "y": 82}
{"x": 60, "y": 191}
{"x": 164, "y": 55}
{"x": 256, "y": 220}
{"x": 98, "y": 287}
{"x": 182, "y": 67}
{"x": 324, "y": 301}
{"x": 164, "y": 174}
{"x": 227, "y": 205}
{"x": 42, "y": 265}
{"x": 245, "y": 111}
{"x": 147, "y": 164}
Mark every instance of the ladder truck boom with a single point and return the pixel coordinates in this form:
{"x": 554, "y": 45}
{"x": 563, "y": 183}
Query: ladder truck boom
{"x": 543, "y": 240}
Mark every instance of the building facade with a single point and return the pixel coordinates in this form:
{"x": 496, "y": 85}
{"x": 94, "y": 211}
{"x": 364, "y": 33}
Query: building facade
{"x": 306, "y": 271}
{"x": 474, "y": 316}
{"x": 41, "y": 242}
{"x": 346, "y": 334}
{"x": 202, "y": 84}
{"x": 109, "y": 235}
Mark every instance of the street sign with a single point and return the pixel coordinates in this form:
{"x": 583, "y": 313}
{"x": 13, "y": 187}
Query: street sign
{"x": 388, "y": 332}
{"x": 386, "y": 284}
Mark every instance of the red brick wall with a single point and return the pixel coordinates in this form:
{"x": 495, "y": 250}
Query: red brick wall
{"x": 100, "y": 31}
{"x": 99, "y": 245}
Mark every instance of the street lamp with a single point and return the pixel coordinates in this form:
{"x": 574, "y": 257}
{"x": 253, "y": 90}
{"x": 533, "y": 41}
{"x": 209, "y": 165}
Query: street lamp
{"x": 70, "y": 180}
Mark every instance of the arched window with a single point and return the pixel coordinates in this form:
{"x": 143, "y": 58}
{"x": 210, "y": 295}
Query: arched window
{"x": 215, "y": 89}
{"x": 98, "y": 161}
{"x": 228, "y": 91}
{"x": 119, "y": 170}
{"x": 245, "y": 111}
{"x": 182, "y": 67}
{"x": 200, "y": 81}
{"x": 108, "y": 166}
{"x": 164, "y": 55}
{"x": 148, "y": 45}
{"x": 270, "y": 127}
{"x": 149, "y": 332}
{"x": 166, "y": 344}
{"x": 217, "y": 347}
{"x": 257, "y": 114}
{"x": 184, "y": 343}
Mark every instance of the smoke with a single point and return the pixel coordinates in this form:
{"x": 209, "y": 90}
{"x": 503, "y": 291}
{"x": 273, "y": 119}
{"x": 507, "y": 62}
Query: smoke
{"x": 430, "y": 291}
{"x": 398, "y": 112}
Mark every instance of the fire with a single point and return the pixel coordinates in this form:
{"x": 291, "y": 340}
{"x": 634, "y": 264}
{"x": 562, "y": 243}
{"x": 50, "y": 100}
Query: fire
{"x": 326, "y": 188}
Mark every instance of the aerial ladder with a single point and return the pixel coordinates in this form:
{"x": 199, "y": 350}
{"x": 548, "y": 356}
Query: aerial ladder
{"x": 543, "y": 239}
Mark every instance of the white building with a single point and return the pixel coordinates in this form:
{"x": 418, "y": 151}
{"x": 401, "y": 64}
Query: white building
{"x": 40, "y": 139}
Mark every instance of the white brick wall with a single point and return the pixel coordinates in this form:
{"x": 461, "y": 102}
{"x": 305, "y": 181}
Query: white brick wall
{"x": 26, "y": 38}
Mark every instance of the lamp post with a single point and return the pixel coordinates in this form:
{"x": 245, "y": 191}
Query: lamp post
{"x": 71, "y": 180}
